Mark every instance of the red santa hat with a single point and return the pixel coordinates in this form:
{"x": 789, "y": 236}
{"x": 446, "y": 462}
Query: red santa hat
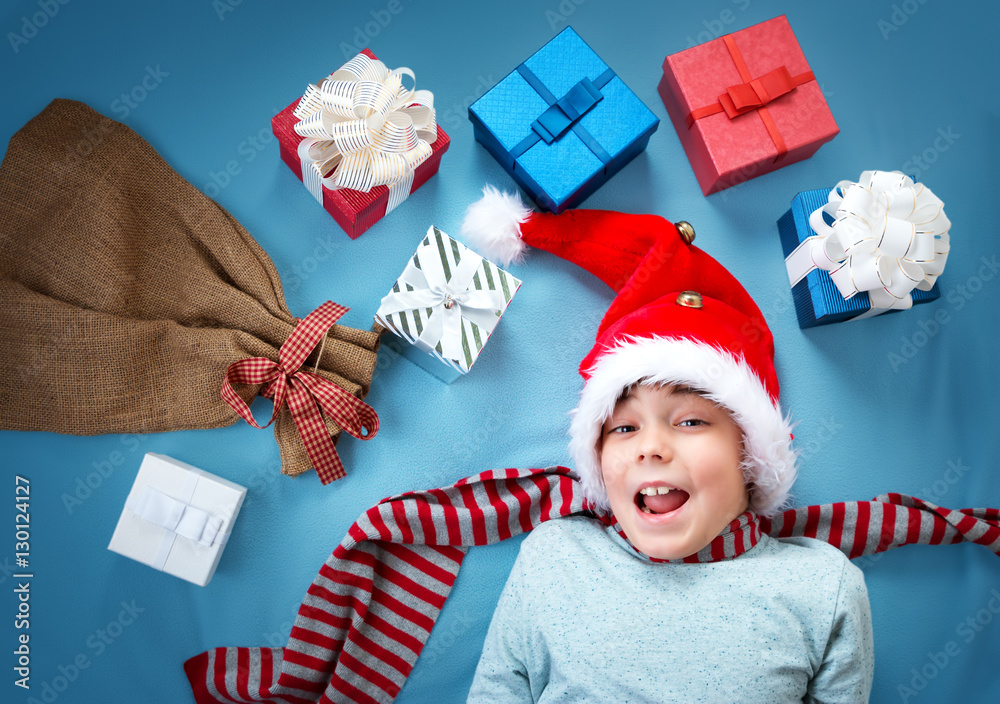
{"x": 679, "y": 317}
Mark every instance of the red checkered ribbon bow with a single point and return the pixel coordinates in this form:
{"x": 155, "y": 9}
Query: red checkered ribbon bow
{"x": 309, "y": 396}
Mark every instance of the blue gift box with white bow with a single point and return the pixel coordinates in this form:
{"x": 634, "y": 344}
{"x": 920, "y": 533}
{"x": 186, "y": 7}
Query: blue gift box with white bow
{"x": 818, "y": 300}
{"x": 562, "y": 123}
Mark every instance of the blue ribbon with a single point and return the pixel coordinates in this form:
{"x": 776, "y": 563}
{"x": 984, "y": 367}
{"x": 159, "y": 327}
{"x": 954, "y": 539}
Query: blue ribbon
{"x": 553, "y": 123}
{"x": 563, "y": 114}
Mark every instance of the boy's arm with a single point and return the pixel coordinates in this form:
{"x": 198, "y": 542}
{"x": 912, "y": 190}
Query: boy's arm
{"x": 503, "y": 674}
{"x": 849, "y": 662}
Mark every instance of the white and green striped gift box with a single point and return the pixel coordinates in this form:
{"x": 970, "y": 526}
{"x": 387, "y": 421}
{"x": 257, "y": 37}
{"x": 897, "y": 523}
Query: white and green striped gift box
{"x": 485, "y": 293}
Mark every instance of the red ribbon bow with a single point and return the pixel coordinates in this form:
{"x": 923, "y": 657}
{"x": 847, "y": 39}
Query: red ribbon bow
{"x": 753, "y": 95}
{"x": 757, "y": 93}
{"x": 309, "y": 396}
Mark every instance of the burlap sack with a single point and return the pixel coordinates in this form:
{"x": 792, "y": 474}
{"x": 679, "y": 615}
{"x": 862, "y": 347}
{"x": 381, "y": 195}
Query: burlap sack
{"x": 125, "y": 293}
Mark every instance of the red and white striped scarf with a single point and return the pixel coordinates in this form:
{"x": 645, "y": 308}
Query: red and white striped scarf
{"x": 367, "y": 615}
{"x": 741, "y": 534}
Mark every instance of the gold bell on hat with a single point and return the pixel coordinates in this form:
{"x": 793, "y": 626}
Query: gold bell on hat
{"x": 685, "y": 230}
{"x": 689, "y": 299}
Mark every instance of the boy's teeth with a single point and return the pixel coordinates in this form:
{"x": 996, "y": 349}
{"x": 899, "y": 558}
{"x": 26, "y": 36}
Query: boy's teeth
{"x": 654, "y": 490}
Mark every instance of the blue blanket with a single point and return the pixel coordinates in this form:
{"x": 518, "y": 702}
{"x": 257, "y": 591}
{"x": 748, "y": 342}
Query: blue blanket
{"x": 903, "y": 402}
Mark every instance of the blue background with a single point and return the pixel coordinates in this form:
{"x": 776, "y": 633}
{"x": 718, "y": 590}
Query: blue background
{"x": 906, "y": 81}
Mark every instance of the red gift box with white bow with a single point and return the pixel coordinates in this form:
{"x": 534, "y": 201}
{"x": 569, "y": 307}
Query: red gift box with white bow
{"x": 357, "y": 209}
{"x": 745, "y": 104}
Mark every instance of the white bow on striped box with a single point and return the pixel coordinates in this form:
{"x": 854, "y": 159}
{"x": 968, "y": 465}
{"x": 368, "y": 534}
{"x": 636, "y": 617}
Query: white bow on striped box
{"x": 445, "y": 305}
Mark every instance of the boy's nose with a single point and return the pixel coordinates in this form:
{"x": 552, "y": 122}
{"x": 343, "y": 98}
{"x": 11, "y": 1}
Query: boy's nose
{"x": 654, "y": 446}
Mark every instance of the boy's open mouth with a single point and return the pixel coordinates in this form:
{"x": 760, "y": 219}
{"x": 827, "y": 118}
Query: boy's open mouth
{"x": 660, "y": 499}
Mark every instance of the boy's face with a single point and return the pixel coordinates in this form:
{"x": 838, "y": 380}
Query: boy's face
{"x": 659, "y": 437}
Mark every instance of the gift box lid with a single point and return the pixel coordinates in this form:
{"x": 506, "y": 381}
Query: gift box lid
{"x": 532, "y": 115}
{"x": 708, "y": 75}
{"x": 177, "y": 518}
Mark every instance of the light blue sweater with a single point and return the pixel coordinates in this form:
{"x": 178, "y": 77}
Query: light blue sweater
{"x": 583, "y": 617}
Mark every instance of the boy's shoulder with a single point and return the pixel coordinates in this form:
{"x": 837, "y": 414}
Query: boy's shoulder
{"x": 567, "y": 528}
{"x": 566, "y": 535}
{"x": 808, "y": 549}
{"x": 815, "y": 555}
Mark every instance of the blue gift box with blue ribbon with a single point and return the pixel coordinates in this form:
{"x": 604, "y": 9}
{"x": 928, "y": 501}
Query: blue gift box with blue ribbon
{"x": 562, "y": 123}
{"x": 818, "y": 301}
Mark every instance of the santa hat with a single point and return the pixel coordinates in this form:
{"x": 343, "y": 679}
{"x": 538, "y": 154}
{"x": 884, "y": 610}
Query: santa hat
{"x": 679, "y": 317}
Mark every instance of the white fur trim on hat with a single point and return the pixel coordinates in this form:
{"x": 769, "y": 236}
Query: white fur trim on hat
{"x": 492, "y": 226}
{"x": 769, "y": 461}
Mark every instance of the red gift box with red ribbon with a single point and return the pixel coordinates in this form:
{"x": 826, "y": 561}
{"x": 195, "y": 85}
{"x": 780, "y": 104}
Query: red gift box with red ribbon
{"x": 745, "y": 104}
{"x": 355, "y": 211}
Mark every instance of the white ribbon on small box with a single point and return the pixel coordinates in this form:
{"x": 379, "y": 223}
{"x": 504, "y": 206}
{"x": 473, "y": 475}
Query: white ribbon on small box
{"x": 178, "y": 517}
{"x": 450, "y": 300}
{"x": 364, "y": 129}
{"x": 888, "y": 237}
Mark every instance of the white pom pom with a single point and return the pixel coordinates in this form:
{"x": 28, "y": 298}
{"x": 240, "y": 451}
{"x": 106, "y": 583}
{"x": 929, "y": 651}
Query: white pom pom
{"x": 492, "y": 226}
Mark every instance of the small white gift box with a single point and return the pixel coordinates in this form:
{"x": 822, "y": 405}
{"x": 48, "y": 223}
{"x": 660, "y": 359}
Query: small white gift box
{"x": 177, "y": 518}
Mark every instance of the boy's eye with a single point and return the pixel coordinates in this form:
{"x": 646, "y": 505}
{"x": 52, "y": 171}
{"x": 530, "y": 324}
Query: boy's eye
{"x": 692, "y": 422}
{"x": 624, "y": 428}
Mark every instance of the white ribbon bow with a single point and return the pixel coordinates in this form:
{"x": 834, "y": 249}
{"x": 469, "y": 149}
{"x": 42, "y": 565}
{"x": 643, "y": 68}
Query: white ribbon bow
{"x": 449, "y": 300}
{"x": 888, "y": 237}
{"x": 178, "y": 517}
{"x": 364, "y": 129}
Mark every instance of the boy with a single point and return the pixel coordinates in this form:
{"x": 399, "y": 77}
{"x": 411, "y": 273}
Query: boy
{"x": 788, "y": 620}
{"x": 680, "y": 446}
